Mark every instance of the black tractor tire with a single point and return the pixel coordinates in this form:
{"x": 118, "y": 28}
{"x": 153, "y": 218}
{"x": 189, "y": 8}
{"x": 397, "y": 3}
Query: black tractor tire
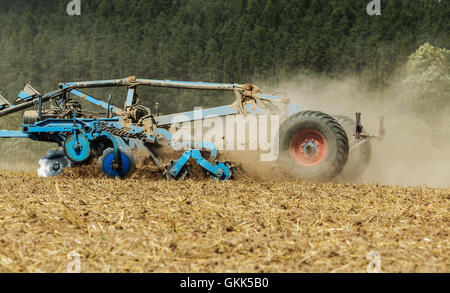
{"x": 359, "y": 157}
{"x": 328, "y": 139}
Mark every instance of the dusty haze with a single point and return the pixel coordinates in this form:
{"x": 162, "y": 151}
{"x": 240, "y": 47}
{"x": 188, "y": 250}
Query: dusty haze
{"x": 408, "y": 154}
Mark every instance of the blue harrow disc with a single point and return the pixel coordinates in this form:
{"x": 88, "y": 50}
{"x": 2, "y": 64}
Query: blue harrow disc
{"x": 77, "y": 148}
{"x": 127, "y": 167}
{"x": 227, "y": 172}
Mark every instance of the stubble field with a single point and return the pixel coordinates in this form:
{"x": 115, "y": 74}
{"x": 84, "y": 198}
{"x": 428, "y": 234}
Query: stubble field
{"x": 145, "y": 224}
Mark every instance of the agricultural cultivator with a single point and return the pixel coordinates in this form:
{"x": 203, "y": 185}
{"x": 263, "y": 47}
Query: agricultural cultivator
{"x": 312, "y": 144}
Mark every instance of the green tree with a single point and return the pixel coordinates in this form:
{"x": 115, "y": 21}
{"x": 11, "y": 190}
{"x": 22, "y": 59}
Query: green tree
{"x": 427, "y": 84}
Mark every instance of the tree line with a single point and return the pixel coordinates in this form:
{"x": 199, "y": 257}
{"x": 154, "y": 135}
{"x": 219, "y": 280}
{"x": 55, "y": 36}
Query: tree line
{"x": 238, "y": 41}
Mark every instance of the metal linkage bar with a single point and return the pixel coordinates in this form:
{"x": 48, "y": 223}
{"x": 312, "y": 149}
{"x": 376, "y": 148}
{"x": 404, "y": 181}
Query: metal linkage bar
{"x": 204, "y": 114}
{"x": 91, "y": 99}
{"x": 12, "y": 134}
{"x": 34, "y": 101}
{"x": 133, "y": 81}
{"x": 188, "y": 84}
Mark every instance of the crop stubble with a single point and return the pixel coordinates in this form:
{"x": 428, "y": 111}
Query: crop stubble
{"x": 146, "y": 224}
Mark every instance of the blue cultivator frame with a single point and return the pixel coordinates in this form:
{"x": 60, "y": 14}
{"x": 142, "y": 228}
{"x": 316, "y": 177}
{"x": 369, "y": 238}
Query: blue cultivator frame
{"x": 114, "y": 138}
{"x": 312, "y": 144}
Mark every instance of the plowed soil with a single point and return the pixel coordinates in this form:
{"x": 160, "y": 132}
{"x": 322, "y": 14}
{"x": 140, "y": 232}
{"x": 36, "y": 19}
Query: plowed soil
{"x": 146, "y": 224}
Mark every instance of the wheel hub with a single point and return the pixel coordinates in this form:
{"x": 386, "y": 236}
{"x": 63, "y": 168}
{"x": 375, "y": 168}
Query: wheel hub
{"x": 308, "y": 147}
{"x": 77, "y": 148}
{"x": 56, "y": 167}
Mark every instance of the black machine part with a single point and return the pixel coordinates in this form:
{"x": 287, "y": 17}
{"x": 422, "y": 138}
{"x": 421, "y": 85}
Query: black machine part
{"x": 359, "y": 157}
{"x": 32, "y": 116}
{"x": 330, "y": 160}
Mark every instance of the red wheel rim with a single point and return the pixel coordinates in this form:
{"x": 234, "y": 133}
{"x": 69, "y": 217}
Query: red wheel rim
{"x": 308, "y": 147}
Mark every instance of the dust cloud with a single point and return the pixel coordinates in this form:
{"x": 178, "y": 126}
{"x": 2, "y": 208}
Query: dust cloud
{"x": 409, "y": 154}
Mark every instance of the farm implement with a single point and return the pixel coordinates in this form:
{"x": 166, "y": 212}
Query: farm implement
{"x": 312, "y": 144}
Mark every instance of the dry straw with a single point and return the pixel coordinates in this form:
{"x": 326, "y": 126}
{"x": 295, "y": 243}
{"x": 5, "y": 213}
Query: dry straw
{"x": 145, "y": 224}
